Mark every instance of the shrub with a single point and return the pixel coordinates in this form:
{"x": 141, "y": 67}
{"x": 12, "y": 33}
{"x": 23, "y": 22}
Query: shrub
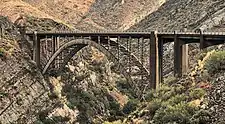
{"x": 170, "y": 80}
{"x": 115, "y": 122}
{"x": 180, "y": 113}
{"x": 3, "y": 94}
{"x": 154, "y": 105}
{"x": 130, "y": 106}
{"x": 3, "y": 53}
{"x": 201, "y": 117}
{"x": 216, "y": 62}
{"x": 124, "y": 87}
{"x": 150, "y": 95}
{"x": 197, "y": 93}
{"x": 177, "y": 99}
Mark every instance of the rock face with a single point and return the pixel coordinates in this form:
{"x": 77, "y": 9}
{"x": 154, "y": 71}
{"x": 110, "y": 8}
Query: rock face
{"x": 84, "y": 14}
{"x": 23, "y": 91}
{"x": 90, "y": 86}
{"x": 117, "y": 14}
{"x": 216, "y": 99}
{"x": 181, "y": 14}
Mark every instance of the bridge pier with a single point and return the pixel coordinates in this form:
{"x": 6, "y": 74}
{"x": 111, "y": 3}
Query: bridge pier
{"x": 36, "y": 49}
{"x": 202, "y": 43}
{"x": 185, "y": 58}
{"x": 156, "y": 47}
{"x": 180, "y": 57}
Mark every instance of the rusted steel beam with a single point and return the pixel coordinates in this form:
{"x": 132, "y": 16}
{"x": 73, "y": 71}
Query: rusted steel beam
{"x": 154, "y": 61}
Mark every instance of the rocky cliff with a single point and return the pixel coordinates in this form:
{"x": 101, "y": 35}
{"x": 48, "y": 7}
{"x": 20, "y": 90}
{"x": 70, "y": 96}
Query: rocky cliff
{"x": 23, "y": 90}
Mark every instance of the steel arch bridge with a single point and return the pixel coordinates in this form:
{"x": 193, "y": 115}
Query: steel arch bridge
{"x": 138, "y": 55}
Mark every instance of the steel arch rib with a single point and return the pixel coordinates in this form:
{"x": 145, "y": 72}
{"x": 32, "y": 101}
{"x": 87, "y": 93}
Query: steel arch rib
{"x": 139, "y": 64}
{"x": 83, "y": 42}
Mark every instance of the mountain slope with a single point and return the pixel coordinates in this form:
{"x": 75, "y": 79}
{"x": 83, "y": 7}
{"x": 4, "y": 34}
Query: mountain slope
{"x": 85, "y": 15}
{"x": 180, "y": 14}
{"x": 118, "y": 14}
{"x": 23, "y": 90}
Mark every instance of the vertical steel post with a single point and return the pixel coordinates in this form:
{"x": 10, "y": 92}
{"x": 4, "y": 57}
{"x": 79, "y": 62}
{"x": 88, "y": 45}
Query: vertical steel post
{"x": 54, "y": 50}
{"x": 142, "y": 59}
{"x": 177, "y": 56}
{"x": 160, "y": 45}
{"x": 36, "y": 49}
{"x": 154, "y": 61}
{"x": 202, "y": 45}
{"x": 2, "y": 31}
{"x": 130, "y": 52}
{"x": 46, "y": 47}
{"x": 108, "y": 44}
{"x": 185, "y": 57}
{"x": 99, "y": 40}
{"x": 118, "y": 48}
{"x": 57, "y": 47}
{"x": 138, "y": 52}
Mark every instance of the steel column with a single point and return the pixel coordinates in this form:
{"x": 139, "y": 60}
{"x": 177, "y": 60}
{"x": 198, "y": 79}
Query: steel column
{"x": 202, "y": 44}
{"x": 154, "y": 61}
{"x": 177, "y": 56}
{"x": 185, "y": 57}
{"x": 55, "y": 47}
{"x": 160, "y": 45}
{"x": 36, "y": 49}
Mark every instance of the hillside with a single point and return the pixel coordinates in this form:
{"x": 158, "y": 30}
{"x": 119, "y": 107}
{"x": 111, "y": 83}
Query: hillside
{"x": 189, "y": 15}
{"x": 180, "y": 14}
{"x": 23, "y": 90}
{"x": 84, "y": 15}
{"x": 117, "y": 14}
{"x": 89, "y": 90}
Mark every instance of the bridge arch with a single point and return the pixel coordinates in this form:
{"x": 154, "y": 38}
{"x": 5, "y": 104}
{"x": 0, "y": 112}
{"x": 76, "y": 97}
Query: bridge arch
{"x": 79, "y": 44}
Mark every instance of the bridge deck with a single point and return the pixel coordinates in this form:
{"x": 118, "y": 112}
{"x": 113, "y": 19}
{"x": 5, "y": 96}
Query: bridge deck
{"x": 156, "y": 41}
{"x": 189, "y": 37}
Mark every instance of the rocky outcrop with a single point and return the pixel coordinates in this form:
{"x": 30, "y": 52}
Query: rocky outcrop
{"x": 216, "y": 99}
{"x": 23, "y": 91}
{"x": 181, "y": 14}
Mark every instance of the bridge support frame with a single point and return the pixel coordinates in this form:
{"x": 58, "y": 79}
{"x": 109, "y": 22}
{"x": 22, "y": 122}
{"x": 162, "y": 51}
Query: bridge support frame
{"x": 155, "y": 60}
{"x": 36, "y": 49}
